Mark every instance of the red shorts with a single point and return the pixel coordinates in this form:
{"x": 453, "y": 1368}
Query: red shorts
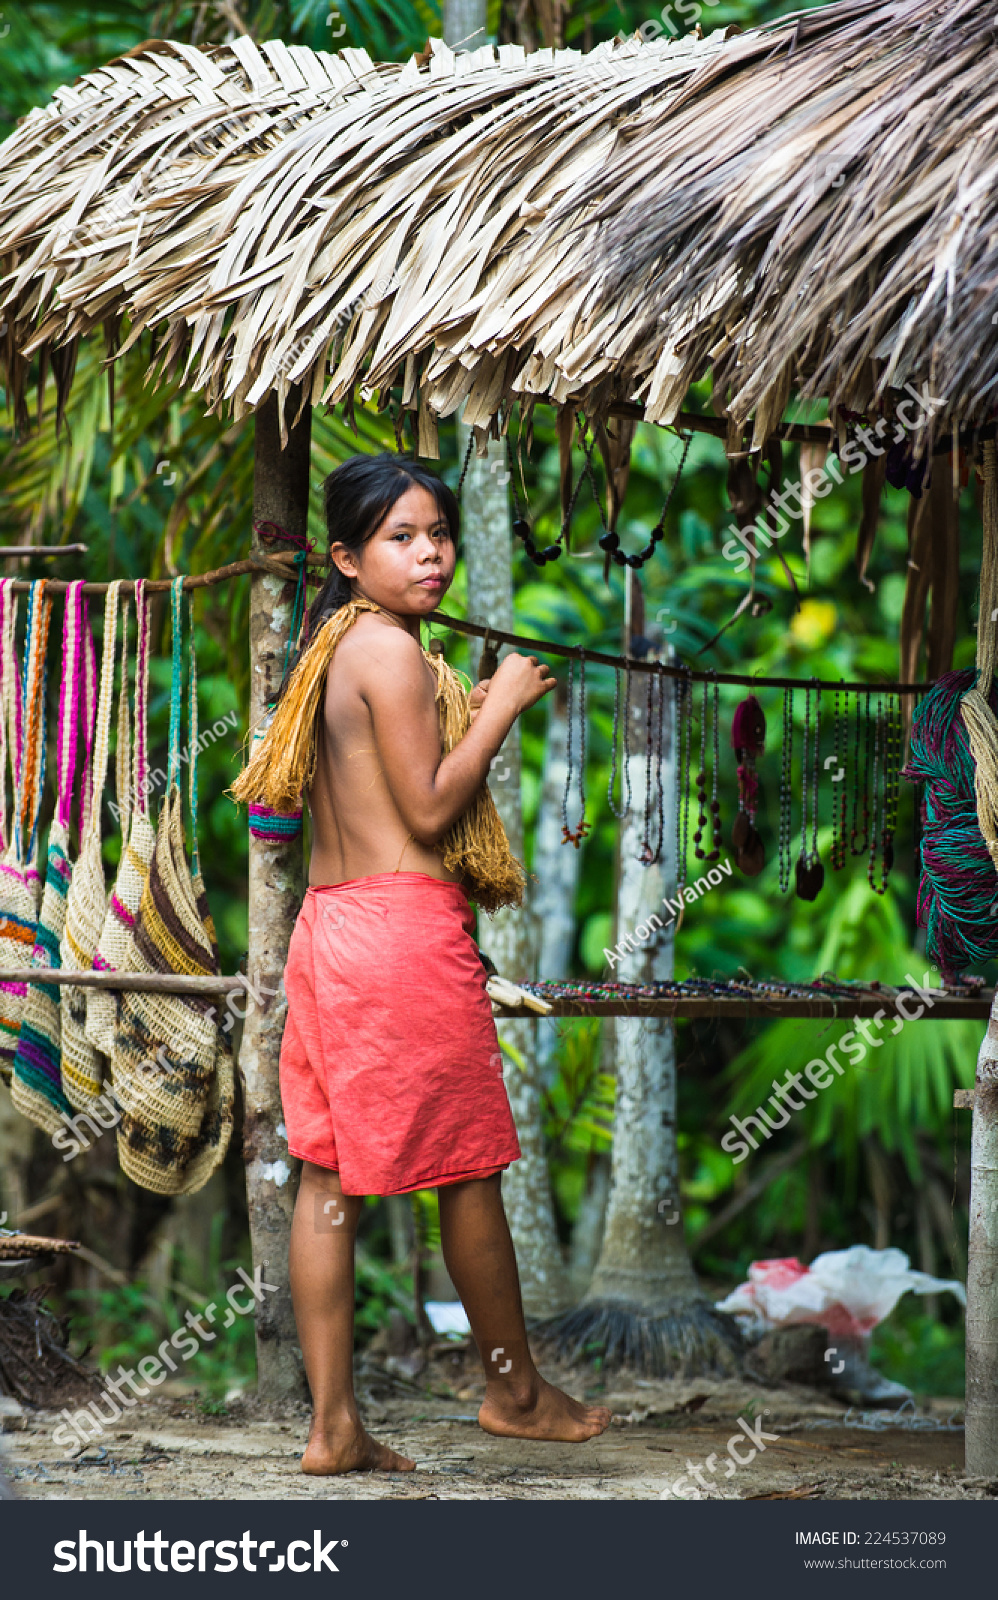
{"x": 391, "y": 1072}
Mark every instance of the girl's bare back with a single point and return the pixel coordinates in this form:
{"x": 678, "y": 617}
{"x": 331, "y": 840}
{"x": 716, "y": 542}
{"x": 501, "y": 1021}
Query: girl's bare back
{"x": 358, "y": 828}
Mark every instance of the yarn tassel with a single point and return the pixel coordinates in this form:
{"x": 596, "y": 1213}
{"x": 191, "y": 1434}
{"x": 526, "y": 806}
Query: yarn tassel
{"x": 281, "y": 766}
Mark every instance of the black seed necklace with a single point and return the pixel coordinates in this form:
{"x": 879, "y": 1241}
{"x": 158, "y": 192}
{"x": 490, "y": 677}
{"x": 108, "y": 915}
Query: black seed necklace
{"x": 786, "y": 771}
{"x": 837, "y": 857}
{"x": 684, "y": 718}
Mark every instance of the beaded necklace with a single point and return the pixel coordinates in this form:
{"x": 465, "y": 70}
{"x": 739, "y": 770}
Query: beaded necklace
{"x": 786, "y": 766}
{"x": 810, "y": 872}
{"x": 615, "y": 745}
{"x": 684, "y": 720}
{"x": 837, "y": 857}
{"x": 570, "y": 835}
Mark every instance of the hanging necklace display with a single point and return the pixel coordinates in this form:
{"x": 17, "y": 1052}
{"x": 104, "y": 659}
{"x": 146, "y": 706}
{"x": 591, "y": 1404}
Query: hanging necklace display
{"x": 715, "y": 804}
{"x": 610, "y": 541}
{"x": 570, "y": 835}
{"x": 615, "y": 745}
{"x": 886, "y": 765}
{"x": 701, "y": 781}
{"x": 892, "y": 786}
{"x": 876, "y": 793}
{"x": 810, "y": 872}
{"x": 859, "y": 837}
{"x": 684, "y": 737}
{"x": 654, "y": 757}
{"x": 659, "y": 766}
{"x": 837, "y": 857}
{"x": 786, "y": 778}
{"x": 748, "y": 738}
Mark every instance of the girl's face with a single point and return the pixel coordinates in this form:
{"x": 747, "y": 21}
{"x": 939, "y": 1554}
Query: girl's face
{"x": 407, "y": 564}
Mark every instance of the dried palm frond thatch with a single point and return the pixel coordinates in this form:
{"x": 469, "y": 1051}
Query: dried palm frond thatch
{"x": 281, "y": 216}
{"x": 827, "y": 196}
{"x": 809, "y": 205}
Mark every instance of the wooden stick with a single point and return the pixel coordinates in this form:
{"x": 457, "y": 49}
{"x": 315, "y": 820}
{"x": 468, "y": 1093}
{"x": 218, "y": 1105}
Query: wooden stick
{"x": 548, "y": 647}
{"x": 132, "y": 982}
{"x": 43, "y": 549}
{"x": 743, "y": 1007}
{"x": 200, "y": 580}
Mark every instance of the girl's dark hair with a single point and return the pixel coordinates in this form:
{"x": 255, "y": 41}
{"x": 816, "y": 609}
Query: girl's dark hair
{"x": 358, "y": 495}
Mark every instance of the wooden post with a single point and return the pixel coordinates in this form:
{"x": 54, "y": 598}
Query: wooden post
{"x": 981, "y": 1443}
{"x": 280, "y": 495}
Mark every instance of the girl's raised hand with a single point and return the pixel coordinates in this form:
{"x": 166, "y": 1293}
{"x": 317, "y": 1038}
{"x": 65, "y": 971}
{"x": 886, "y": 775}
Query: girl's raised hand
{"x": 521, "y": 680}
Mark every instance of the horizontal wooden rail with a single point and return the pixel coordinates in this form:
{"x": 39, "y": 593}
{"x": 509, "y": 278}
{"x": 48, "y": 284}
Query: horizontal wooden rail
{"x": 132, "y": 982}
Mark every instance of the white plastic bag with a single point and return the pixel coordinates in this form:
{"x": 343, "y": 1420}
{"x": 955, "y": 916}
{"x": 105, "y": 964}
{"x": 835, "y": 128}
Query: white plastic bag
{"x": 846, "y": 1291}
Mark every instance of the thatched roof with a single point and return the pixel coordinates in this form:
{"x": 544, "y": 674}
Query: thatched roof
{"x": 850, "y": 180}
{"x": 287, "y": 215}
{"x": 497, "y": 225}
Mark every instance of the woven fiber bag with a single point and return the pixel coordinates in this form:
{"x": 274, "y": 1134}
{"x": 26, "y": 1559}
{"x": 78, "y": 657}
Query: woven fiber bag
{"x": 173, "y": 1068}
{"x": 133, "y": 869}
{"x": 20, "y": 881}
{"x": 36, "y": 1086}
{"x": 83, "y": 1069}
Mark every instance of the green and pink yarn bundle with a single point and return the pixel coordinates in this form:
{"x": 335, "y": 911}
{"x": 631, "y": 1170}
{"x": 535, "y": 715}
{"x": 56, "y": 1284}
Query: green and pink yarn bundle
{"x": 958, "y": 892}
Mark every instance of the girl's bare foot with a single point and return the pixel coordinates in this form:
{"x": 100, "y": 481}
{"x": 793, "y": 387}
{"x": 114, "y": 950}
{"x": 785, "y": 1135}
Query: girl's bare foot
{"x": 350, "y": 1450}
{"x": 541, "y": 1412}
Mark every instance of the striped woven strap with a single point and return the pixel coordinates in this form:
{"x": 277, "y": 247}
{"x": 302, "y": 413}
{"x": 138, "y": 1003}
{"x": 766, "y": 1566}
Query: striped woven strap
{"x": 11, "y": 697}
{"x": 104, "y": 703}
{"x": 192, "y": 745}
{"x": 89, "y": 715}
{"x": 140, "y": 766}
{"x": 176, "y": 681}
{"x": 32, "y": 770}
{"x": 6, "y": 602}
{"x": 70, "y": 697}
{"x": 123, "y": 744}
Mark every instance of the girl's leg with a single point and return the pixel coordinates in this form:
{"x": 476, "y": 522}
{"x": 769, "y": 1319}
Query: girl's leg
{"x": 479, "y": 1254}
{"x": 322, "y": 1289}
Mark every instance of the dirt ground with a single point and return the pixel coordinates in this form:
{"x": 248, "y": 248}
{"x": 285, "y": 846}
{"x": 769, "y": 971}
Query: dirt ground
{"x": 171, "y": 1447}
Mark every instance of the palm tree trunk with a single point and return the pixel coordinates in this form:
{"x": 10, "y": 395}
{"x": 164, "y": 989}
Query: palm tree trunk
{"x": 555, "y": 874}
{"x": 644, "y": 1305}
{"x": 506, "y": 937}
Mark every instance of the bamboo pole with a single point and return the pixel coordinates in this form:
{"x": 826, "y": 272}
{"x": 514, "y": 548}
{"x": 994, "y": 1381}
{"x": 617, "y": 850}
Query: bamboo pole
{"x": 275, "y": 888}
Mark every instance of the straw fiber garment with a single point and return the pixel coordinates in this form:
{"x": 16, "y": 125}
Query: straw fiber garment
{"x": 36, "y": 1086}
{"x": 20, "y": 881}
{"x": 173, "y": 1069}
{"x": 281, "y": 766}
{"x": 86, "y": 904}
{"x": 133, "y": 869}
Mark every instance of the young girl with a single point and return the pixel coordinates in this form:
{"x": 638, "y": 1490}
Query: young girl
{"x": 391, "y": 1075}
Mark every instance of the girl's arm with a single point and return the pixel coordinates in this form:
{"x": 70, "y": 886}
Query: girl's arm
{"x": 431, "y": 791}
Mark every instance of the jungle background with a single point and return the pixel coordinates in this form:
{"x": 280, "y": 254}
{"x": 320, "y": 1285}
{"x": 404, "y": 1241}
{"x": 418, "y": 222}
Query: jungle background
{"x": 159, "y": 488}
